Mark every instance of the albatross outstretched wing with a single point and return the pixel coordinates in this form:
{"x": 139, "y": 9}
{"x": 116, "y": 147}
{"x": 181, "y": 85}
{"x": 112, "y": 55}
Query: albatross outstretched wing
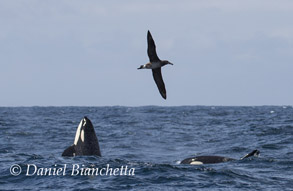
{"x": 159, "y": 81}
{"x": 152, "y": 49}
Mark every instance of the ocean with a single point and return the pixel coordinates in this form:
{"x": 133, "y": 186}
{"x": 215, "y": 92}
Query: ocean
{"x": 150, "y": 140}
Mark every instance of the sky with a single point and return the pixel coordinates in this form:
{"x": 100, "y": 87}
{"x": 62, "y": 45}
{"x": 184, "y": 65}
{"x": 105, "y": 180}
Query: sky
{"x": 86, "y": 53}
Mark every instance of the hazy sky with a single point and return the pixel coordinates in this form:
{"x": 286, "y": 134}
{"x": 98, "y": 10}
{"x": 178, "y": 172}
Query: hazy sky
{"x": 86, "y": 53}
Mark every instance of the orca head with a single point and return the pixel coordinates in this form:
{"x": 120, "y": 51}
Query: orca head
{"x": 85, "y": 141}
{"x": 85, "y": 126}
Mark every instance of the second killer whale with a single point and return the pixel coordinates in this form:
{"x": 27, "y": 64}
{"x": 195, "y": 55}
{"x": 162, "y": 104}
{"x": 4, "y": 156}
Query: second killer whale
{"x": 198, "y": 160}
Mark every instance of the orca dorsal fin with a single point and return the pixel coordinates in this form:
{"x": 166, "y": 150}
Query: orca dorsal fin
{"x": 253, "y": 153}
{"x": 69, "y": 152}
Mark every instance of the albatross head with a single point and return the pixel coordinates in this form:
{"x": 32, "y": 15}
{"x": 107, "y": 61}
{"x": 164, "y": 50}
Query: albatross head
{"x": 165, "y": 62}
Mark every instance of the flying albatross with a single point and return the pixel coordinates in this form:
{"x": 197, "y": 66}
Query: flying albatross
{"x": 155, "y": 64}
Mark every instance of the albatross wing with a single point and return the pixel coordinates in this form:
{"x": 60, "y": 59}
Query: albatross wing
{"x": 152, "y": 49}
{"x": 159, "y": 81}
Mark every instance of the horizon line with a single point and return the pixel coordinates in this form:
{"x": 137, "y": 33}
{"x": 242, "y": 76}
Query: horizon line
{"x": 262, "y": 105}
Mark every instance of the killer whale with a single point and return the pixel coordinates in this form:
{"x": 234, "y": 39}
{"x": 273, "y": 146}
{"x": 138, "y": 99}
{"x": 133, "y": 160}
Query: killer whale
{"x": 85, "y": 142}
{"x": 198, "y": 160}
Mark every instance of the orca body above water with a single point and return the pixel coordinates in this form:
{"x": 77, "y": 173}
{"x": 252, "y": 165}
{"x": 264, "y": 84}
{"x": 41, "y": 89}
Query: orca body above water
{"x": 85, "y": 142}
{"x": 198, "y": 160}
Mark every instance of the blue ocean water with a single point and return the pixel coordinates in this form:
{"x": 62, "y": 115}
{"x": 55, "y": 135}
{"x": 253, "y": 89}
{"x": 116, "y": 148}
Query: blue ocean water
{"x": 152, "y": 140}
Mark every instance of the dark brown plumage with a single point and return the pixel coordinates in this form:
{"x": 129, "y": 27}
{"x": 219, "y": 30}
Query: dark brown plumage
{"x": 152, "y": 49}
{"x": 156, "y": 70}
{"x": 159, "y": 81}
